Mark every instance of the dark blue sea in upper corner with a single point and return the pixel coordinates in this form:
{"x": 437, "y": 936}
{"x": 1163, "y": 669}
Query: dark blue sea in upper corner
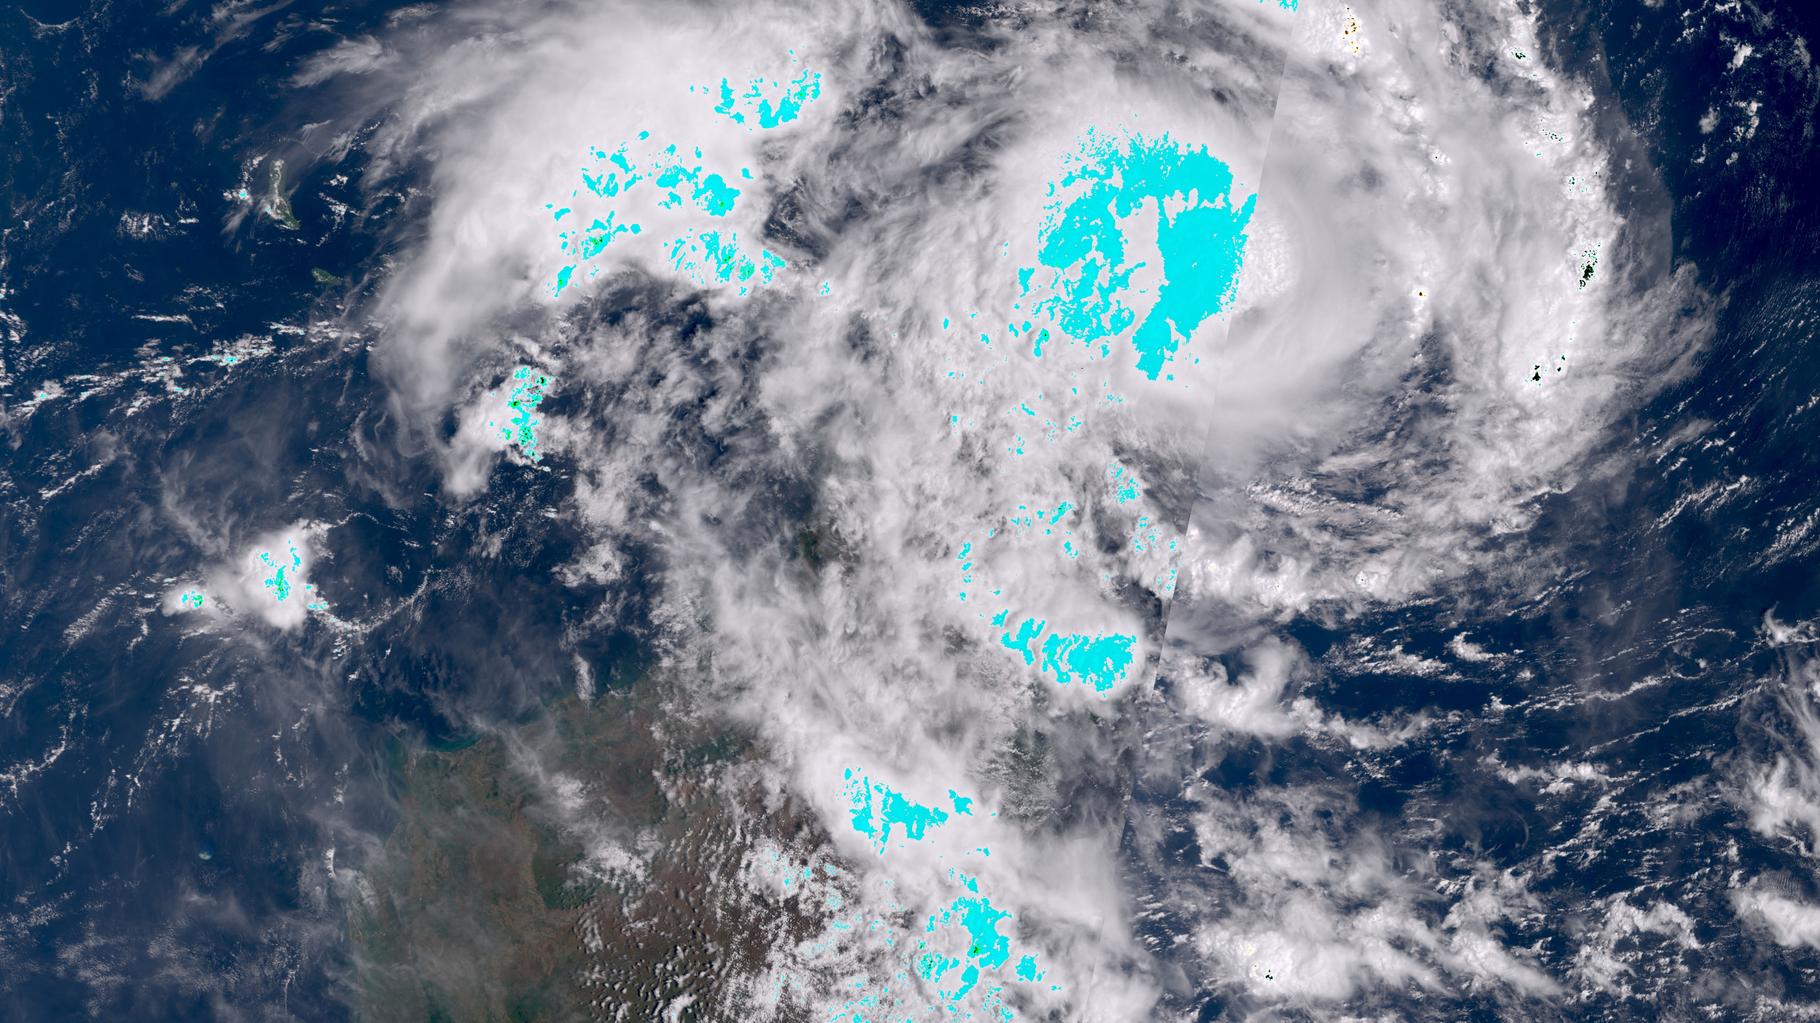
{"x": 1750, "y": 223}
{"x": 161, "y": 849}
{"x": 162, "y": 802}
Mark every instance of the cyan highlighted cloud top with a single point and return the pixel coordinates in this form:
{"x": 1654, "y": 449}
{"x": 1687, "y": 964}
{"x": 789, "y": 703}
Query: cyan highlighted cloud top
{"x": 764, "y": 104}
{"x": 519, "y": 428}
{"x": 283, "y": 578}
{"x": 1101, "y": 660}
{"x": 689, "y": 196}
{"x": 1087, "y": 282}
{"x": 880, "y": 811}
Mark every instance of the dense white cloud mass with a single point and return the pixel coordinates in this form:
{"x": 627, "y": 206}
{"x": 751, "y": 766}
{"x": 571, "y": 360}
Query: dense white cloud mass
{"x": 1451, "y": 312}
{"x": 1789, "y": 921}
{"x": 1780, "y": 794}
{"x": 1783, "y": 795}
{"x": 903, "y": 538}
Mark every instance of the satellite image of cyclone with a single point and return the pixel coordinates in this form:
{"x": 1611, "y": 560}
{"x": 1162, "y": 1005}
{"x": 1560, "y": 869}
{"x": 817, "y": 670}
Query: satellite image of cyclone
{"x": 883, "y": 511}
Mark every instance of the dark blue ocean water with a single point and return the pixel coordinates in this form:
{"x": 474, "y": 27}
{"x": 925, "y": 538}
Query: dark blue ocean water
{"x": 170, "y": 798}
